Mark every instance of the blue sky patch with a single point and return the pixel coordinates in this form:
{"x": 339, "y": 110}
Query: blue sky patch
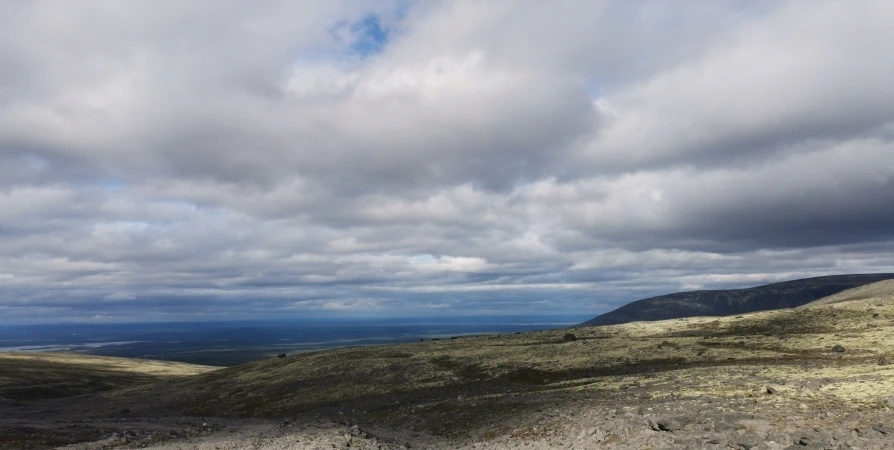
{"x": 371, "y": 37}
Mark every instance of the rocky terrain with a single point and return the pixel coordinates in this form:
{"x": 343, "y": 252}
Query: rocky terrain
{"x": 788, "y": 294}
{"x": 815, "y": 377}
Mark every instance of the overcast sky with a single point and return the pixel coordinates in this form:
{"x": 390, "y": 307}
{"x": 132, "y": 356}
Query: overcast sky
{"x": 172, "y": 160}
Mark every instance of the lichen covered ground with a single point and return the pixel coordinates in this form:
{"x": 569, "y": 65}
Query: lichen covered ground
{"x": 814, "y": 377}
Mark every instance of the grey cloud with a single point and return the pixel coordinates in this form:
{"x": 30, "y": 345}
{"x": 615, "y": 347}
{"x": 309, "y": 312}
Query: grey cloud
{"x": 227, "y": 159}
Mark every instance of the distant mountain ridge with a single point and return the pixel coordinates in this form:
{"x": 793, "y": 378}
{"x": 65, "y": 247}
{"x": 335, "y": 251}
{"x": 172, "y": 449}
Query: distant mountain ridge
{"x": 787, "y": 294}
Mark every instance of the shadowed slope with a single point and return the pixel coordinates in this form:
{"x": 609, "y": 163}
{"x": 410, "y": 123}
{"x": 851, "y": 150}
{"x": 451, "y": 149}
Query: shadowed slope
{"x": 38, "y": 376}
{"x": 788, "y": 294}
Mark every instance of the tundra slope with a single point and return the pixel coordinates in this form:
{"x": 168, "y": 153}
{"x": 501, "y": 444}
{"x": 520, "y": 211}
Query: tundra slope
{"x": 33, "y": 376}
{"x": 818, "y": 376}
{"x": 787, "y": 294}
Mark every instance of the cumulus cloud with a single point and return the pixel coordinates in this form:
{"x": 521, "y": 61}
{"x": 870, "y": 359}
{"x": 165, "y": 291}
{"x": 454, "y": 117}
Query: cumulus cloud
{"x": 167, "y": 161}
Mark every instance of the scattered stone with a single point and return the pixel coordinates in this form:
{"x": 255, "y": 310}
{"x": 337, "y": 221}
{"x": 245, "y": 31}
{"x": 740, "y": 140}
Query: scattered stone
{"x": 771, "y": 390}
{"x": 883, "y": 429}
{"x": 664, "y": 424}
{"x": 889, "y": 402}
{"x": 814, "y": 438}
{"x": 723, "y": 426}
{"x": 281, "y": 355}
{"x": 748, "y": 441}
{"x": 668, "y": 344}
{"x": 838, "y": 348}
{"x": 586, "y": 433}
{"x": 569, "y": 337}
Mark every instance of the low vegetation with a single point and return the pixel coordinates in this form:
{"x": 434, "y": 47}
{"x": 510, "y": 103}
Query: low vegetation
{"x": 822, "y": 374}
{"x": 425, "y": 384}
{"x": 38, "y": 376}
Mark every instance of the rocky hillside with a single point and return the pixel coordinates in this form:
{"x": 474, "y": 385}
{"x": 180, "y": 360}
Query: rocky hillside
{"x": 819, "y": 377}
{"x": 788, "y": 294}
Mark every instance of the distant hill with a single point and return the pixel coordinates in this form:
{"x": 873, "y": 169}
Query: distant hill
{"x": 788, "y": 294}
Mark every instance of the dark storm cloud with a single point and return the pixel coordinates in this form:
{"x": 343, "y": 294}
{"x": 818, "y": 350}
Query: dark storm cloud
{"x": 227, "y": 159}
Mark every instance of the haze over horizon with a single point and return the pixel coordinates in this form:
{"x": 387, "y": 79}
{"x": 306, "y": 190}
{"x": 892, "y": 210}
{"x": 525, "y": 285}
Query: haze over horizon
{"x": 211, "y": 160}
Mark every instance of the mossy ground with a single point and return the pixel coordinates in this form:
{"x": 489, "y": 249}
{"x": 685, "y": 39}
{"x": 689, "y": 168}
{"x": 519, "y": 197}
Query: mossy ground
{"x": 521, "y": 386}
{"x": 40, "y": 376}
{"x": 476, "y": 380}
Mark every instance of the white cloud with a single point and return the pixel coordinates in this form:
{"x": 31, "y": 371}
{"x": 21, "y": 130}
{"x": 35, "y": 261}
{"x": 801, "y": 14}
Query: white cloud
{"x": 164, "y": 157}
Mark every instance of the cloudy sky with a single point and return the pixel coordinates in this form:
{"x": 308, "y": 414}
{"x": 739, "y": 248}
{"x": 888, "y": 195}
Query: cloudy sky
{"x": 173, "y": 160}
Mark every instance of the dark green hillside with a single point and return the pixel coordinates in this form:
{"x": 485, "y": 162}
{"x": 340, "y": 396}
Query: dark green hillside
{"x": 788, "y": 294}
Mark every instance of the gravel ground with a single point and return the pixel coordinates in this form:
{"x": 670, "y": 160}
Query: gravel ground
{"x": 761, "y": 421}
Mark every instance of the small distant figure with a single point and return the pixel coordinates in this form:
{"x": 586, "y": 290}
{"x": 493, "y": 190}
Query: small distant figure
{"x": 569, "y": 337}
{"x": 281, "y": 355}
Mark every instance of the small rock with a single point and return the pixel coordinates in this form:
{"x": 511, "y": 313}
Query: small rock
{"x": 749, "y": 441}
{"x": 771, "y": 390}
{"x": 569, "y": 337}
{"x": 281, "y": 355}
{"x": 664, "y": 424}
{"x": 883, "y": 429}
{"x": 889, "y": 402}
{"x": 838, "y": 348}
{"x": 586, "y": 433}
{"x": 724, "y": 426}
{"x": 668, "y": 344}
{"x": 814, "y": 438}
